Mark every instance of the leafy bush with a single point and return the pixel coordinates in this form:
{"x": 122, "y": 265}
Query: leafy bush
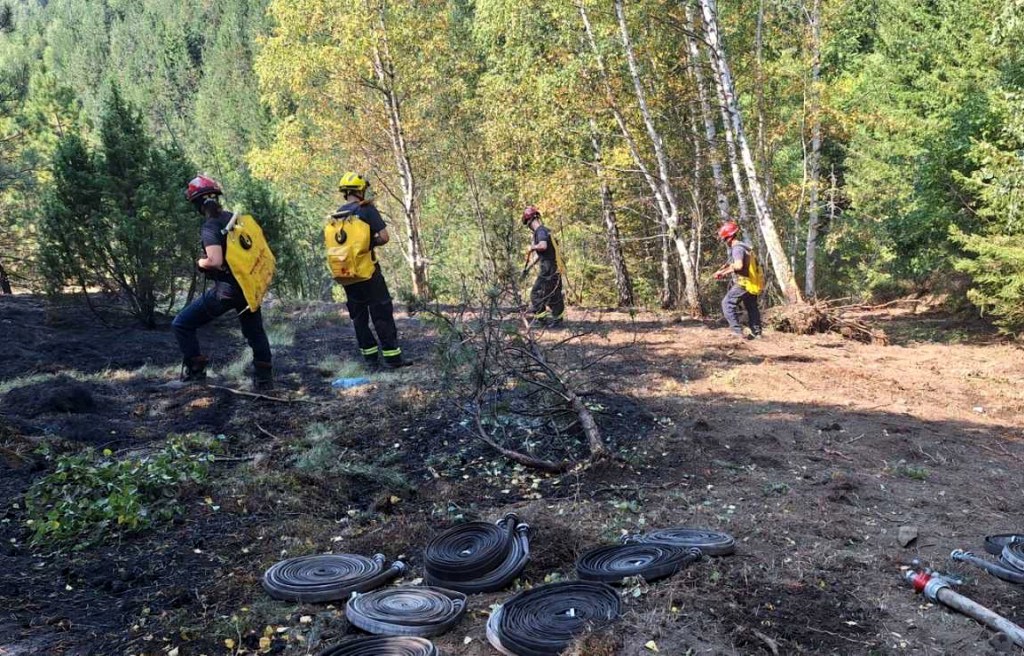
{"x": 92, "y": 496}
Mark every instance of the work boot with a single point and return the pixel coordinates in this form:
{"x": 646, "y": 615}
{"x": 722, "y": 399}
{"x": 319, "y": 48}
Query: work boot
{"x": 193, "y": 370}
{"x": 262, "y": 376}
{"x": 371, "y": 356}
{"x": 393, "y": 360}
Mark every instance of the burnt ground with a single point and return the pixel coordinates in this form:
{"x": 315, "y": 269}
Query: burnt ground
{"x": 812, "y": 451}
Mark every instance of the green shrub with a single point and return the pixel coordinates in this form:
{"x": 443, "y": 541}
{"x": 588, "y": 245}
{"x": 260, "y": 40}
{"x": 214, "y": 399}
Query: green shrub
{"x": 92, "y": 496}
{"x": 997, "y": 276}
{"x": 115, "y": 218}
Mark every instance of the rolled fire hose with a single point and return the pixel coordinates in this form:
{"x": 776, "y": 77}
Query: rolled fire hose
{"x": 384, "y": 646}
{"x": 478, "y": 556}
{"x": 711, "y": 543}
{"x": 328, "y": 577}
{"x": 1010, "y": 567}
{"x": 543, "y": 621}
{"x": 994, "y": 543}
{"x": 652, "y": 562}
{"x": 937, "y": 589}
{"x": 406, "y": 611}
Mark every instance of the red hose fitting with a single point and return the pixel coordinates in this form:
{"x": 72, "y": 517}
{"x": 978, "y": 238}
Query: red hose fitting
{"x": 919, "y": 580}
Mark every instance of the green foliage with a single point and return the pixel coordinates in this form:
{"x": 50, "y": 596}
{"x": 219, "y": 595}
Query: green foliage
{"x": 996, "y": 268}
{"x": 116, "y": 218}
{"x": 90, "y": 496}
{"x": 921, "y": 110}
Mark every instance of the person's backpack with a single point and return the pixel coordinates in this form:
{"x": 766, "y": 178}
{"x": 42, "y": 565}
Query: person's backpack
{"x": 250, "y": 259}
{"x": 559, "y": 262}
{"x": 349, "y": 253}
{"x": 753, "y": 282}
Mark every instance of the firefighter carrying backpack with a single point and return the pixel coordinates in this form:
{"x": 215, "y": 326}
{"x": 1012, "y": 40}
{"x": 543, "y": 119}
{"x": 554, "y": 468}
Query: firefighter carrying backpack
{"x": 350, "y": 254}
{"x": 753, "y": 282}
{"x": 250, "y": 259}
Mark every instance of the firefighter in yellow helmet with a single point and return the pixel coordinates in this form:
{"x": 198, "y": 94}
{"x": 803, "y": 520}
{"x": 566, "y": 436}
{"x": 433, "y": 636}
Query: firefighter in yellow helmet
{"x": 357, "y": 270}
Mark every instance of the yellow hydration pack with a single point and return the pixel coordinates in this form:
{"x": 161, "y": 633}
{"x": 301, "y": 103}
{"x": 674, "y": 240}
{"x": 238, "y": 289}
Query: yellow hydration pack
{"x": 250, "y": 259}
{"x": 559, "y": 262}
{"x": 349, "y": 254}
{"x": 753, "y": 282}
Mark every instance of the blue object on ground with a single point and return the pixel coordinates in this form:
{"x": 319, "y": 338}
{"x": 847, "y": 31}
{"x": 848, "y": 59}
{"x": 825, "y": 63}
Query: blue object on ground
{"x": 349, "y": 383}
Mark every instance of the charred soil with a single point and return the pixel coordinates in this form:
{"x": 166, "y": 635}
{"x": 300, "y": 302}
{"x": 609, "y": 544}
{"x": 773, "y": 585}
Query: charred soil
{"x": 812, "y": 450}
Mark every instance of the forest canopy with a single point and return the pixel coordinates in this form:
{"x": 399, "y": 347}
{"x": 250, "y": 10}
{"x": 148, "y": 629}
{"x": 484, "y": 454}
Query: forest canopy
{"x": 868, "y": 148}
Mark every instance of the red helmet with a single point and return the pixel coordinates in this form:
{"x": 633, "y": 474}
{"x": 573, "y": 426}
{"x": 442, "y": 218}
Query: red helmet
{"x": 200, "y": 186}
{"x": 530, "y": 213}
{"x": 728, "y": 230}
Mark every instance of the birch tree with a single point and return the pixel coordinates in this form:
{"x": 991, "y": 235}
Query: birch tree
{"x": 623, "y": 284}
{"x": 814, "y": 157}
{"x": 716, "y": 50}
{"x": 350, "y": 91}
{"x": 660, "y": 183}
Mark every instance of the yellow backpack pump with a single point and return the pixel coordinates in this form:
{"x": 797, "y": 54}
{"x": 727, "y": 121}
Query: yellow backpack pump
{"x": 250, "y": 259}
{"x": 349, "y": 254}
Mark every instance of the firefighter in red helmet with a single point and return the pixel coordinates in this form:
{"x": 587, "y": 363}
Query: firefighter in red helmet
{"x": 205, "y": 193}
{"x": 746, "y": 282}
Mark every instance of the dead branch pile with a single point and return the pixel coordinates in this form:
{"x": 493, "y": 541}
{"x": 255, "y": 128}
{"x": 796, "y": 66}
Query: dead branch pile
{"x": 822, "y": 317}
{"x": 521, "y": 386}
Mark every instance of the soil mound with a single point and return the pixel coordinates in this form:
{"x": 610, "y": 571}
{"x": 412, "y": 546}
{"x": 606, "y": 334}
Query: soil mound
{"x": 59, "y": 396}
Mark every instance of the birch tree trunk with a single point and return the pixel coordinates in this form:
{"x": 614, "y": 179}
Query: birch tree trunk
{"x": 710, "y": 131}
{"x": 762, "y": 131}
{"x": 660, "y": 185}
{"x": 623, "y": 284}
{"x": 384, "y": 71}
{"x": 730, "y": 141}
{"x": 814, "y": 159}
{"x": 783, "y": 272}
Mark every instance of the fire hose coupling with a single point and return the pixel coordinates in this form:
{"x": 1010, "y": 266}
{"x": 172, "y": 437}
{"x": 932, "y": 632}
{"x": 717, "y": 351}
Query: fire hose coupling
{"x": 927, "y": 583}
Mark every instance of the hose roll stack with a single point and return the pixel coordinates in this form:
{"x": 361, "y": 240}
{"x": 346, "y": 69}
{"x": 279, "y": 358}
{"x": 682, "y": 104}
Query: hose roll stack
{"x": 478, "y": 556}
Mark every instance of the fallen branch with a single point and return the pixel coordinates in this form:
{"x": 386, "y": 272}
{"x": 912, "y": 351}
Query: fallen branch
{"x": 254, "y": 395}
{"x": 516, "y": 456}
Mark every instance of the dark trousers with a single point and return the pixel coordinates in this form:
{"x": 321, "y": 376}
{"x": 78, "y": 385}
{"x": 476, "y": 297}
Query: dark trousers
{"x": 208, "y": 307}
{"x": 368, "y": 300}
{"x": 731, "y": 308}
{"x": 547, "y": 291}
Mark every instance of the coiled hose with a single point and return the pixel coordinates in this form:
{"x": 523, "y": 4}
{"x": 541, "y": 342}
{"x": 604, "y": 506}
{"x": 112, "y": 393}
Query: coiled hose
{"x": 478, "y": 556}
{"x": 406, "y": 611}
{"x": 384, "y": 646}
{"x": 328, "y": 577}
{"x": 994, "y": 543}
{"x": 543, "y": 621}
{"x": 1009, "y": 548}
{"x": 652, "y": 562}
{"x": 711, "y": 543}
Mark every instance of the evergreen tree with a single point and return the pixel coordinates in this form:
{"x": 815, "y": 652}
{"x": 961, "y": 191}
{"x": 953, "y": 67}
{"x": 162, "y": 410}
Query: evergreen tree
{"x": 117, "y": 218}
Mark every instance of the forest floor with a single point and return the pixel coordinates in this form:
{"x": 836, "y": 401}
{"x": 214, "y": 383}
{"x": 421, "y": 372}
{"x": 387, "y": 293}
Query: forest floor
{"x": 812, "y": 451}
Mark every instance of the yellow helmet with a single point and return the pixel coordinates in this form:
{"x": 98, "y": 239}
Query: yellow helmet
{"x": 352, "y": 181}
